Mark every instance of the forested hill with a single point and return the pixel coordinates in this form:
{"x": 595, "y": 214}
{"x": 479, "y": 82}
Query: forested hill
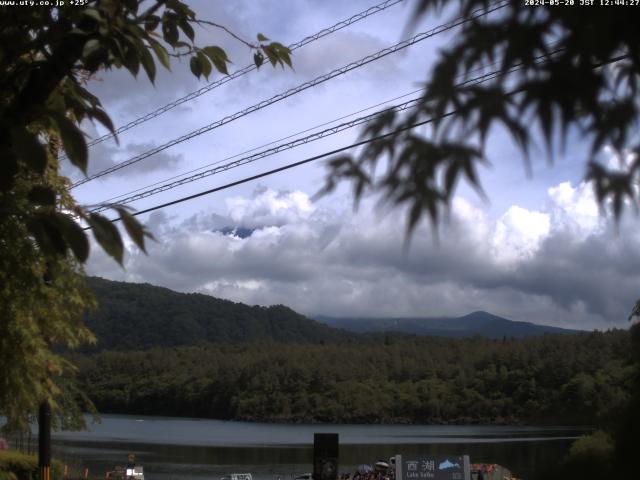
{"x": 476, "y": 323}
{"x": 554, "y": 379}
{"x": 133, "y": 316}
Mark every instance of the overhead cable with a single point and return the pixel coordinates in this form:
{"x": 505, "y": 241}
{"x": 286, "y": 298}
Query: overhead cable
{"x": 484, "y": 76}
{"x": 129, "y": 194}
{"x": 332, "y": 152}
{"x": 283, "y": 168}
{"x": 243, "y": 71}
{"x": 312, "y": 83}
{"x": 172, "y": 183}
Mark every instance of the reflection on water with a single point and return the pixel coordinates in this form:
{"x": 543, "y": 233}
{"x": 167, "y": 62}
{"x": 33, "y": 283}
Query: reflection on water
{"x": 195, "y": 449}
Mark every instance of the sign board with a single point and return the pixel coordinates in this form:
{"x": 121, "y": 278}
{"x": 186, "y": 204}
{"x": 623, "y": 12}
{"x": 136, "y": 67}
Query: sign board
{"x": 433, "y": 467}
{"x": 325, "y": 456}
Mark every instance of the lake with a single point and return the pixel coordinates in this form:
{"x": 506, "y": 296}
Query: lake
{"x": 199, "y": 449}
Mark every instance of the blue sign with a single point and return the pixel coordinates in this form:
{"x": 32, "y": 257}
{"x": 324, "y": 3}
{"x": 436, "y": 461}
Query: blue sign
{"x": 433, "y": 467}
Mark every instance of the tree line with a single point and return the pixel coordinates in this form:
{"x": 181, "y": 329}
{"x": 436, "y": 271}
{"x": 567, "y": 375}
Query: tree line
{"x": 577, "y": 379}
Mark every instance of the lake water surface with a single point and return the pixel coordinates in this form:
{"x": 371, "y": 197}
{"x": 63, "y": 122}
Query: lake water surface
{"x": 199, "y": 449}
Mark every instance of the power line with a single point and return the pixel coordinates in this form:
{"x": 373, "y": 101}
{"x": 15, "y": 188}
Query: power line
{"x": 312, "y": 83}
{"x": 339, "y": 150}
{"x": 265, "y": 153}
{"x": 285, "y": 167}
{"x": 131, "y": 193}
{"x": 484, "y": 76}
{"x": 243, "y": 71}
{"x": 283, "y": 146}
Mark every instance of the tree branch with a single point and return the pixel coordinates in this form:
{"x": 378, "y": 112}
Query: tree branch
{"x": 150, "y": 11}
{"x": 222, "y": 27}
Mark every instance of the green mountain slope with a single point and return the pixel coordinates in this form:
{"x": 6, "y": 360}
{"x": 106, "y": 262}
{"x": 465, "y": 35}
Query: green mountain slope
{"x": 133, "y": 316}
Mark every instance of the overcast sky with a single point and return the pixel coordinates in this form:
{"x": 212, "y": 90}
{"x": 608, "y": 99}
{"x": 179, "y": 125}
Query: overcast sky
{"x": 538, "y": 251}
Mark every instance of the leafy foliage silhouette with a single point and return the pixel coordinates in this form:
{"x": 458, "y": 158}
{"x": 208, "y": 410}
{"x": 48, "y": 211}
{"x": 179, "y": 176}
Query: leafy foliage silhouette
{"x": 48, "y": 56}
{"x": 564, "y": 70}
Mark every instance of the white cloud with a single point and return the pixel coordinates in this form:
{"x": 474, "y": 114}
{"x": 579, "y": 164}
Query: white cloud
{"x": 553, "y": 263}
{"x": 269, "y": 207}
{"x": 575, "y": 207}
{"x": 526, "y": 265}
{"x": 519, "y": 233}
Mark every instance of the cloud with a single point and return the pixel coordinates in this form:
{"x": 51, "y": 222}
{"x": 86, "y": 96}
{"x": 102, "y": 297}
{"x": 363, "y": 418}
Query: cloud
{"x": 519, "y": 233}
{"x": 268, "y": 207}
{"x": 541, "y": 266}
{"x": 105, "y": 155}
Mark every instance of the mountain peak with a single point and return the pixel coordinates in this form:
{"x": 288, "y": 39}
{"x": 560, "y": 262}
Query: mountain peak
{"x": 475, "y": 323}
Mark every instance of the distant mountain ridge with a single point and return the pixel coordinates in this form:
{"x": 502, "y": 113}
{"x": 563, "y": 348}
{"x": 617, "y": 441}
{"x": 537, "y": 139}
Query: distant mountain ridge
{"x": 139, "y": 316}
{"x": 476, "y": 323}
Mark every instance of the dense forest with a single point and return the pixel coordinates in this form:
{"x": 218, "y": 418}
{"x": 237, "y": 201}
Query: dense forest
{"x": 133, "y": 316}
{"x": 558, "y": 379}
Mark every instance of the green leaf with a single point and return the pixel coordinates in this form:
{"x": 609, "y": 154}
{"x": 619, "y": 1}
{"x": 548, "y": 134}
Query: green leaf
{"x": 107, "y": 236}
{"x": 151, "y": 23}
{"x": 29, "y": 149}
{"x": 91, "y": 48}
{"x": 170, "y": 31}
{"x": 196, "y": 66}
{"x": 283, "y": 53}
{"x": 271, "y": 54}
{"x": 85, "y": 94}
{"x": 45, "y": 230}
{"x": 187, "y": 29}
{"x": 206, "y": 65}
{"x": 131, "y": 59}
{"x": 134, "y": 228}
{"x": 147, "y": 63}
{"x": 161, "y": 53}
{"x": 73, "y": 141}
{"x": 93, "y": 14}
{"x": 40, "y": 195}
{"x": 262, "y": 38}
{"x": 73, "y": 235}
{"x": 219, "y": 58}
{"x": 104, "y": 119}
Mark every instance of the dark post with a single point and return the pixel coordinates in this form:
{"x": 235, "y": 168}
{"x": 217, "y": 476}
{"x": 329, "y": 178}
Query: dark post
{"x": 44, "y": 440}
{"x": 325, "y": 456}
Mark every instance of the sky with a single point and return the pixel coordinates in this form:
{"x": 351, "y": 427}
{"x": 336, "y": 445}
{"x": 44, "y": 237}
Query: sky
{"x": 538, "y": 250}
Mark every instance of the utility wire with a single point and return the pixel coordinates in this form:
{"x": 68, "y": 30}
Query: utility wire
{"x": 243, "y": 71}
{"x": 285, "y": 146}
{"x": 482, "y": 69}
{"x": 285, "y": 167}
{"x": 264, "y": 153}
{"x": 217, "y": 162}
{"x": 312, "y": 83}
{"x": 333, "y": 152}
{"x": 297, "y": 164}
